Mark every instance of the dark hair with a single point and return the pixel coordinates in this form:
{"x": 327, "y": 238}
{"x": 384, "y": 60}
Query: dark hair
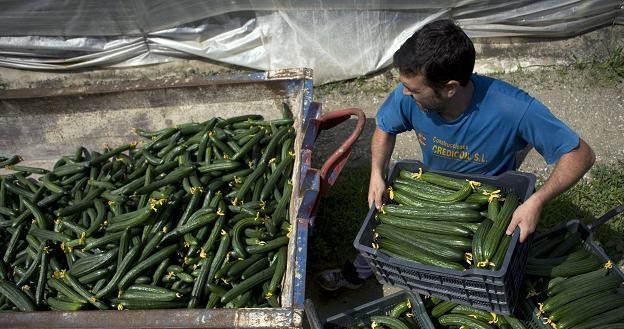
{"x": 441, "y": 51}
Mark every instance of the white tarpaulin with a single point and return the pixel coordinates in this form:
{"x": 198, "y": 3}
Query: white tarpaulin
{"x": 338, "y": 39}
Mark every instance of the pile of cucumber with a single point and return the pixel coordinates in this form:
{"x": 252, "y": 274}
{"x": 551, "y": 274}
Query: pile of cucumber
{"x": 446, "y": 314}
{"x": 444, "y": 221}
{"x": 196, "y": 215}
{"x": 572, "y": 286}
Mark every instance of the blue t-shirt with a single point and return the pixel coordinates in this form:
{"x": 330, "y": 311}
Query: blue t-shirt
{"x": 500, "y": 121}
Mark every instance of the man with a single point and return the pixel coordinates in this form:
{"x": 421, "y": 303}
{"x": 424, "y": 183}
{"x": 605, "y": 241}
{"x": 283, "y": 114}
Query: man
{"x": 465, "y": 123}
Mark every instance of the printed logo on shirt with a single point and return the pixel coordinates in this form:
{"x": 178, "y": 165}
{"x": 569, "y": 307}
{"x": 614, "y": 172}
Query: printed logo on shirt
{"x": 445, "y": 149}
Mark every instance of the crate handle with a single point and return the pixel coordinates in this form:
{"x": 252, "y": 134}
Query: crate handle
{"x": 606, "y": 217}
{"x": 334, "y": 164}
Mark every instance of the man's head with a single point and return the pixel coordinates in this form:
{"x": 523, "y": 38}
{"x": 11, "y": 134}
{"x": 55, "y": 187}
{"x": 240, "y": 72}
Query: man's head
{"x": 440, "y": 51}
{"x": 434, "y": 61}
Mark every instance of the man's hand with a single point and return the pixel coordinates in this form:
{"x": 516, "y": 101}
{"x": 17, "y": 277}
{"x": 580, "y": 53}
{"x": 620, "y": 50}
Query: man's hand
{"x": 526, "y": 217}
{"x": 376, "y": 190}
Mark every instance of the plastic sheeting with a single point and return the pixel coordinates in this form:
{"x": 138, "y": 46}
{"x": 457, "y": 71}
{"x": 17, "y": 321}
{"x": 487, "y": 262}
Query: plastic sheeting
{"x": 337, "y": 39}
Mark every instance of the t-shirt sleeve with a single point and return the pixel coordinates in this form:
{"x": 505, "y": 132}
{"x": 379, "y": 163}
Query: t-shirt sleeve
{"x": 550, "y": 136}
{"x": 393, "y": 115}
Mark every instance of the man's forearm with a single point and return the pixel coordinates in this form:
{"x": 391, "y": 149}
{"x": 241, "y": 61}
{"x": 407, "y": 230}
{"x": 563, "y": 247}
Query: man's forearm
{"x": 382, "y": 146}
{"x": 568, "y": 170}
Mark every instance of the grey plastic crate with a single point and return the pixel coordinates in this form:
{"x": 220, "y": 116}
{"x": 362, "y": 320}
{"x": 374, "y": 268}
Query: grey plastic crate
{"x": 494, "y": 291}
{"x": 528, "y": 311}
{"x": 382, "y": 306}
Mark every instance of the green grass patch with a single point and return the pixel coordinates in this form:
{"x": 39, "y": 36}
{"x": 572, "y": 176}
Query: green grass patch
{"x": 343, "y": 210}
{"x": 604, "y": 71}
{"x": 338, "y": 219}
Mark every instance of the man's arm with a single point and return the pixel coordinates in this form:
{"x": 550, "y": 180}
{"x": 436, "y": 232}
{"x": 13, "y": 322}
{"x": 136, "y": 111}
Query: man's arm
{"x": 382, "y": 146}
{"x": 568, "y": 170}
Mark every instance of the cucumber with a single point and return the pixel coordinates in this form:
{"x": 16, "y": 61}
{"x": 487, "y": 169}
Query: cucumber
{"x": 220, "y": 166}
{"x": 138, "y": 304}
{"x": 453, "y": 183}
{"x": 478, "y": 314}
{"x": 477, "y": 242}
{"x": 387, "y": 321}
{"x": 477, "y": 199}
{"x": 442, "y": 308}
{"x": 460, "y": 320}
{"x": 499, "y": 257}
{"x": 248, "y": 283}
{"x": 438, "y": 227}
{"x": 424, "y": 194}
{"x": 16, "y": 296}
{"x": 573, "y": 281}
{"x": 493, "y": 209}
{"x": 219, "y": 258}
{"x": 95, "y": 262}
{"x": 149, "y": 293}
{"x": 268, "y": 245}
{"x": 400, "y": 308}
{"x": 58, "y": 304}
{"x": 496, "y": 232}
{"x": 278, "y": 274}
{"x": 461, "y": 215}
{"x": 448, "y": 240}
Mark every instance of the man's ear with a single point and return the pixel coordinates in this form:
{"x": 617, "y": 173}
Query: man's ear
{"x": 451, "y": 88}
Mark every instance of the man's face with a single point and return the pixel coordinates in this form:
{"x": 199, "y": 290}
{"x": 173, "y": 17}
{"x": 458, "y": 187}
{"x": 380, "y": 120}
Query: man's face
{"x": 426, "y": 97}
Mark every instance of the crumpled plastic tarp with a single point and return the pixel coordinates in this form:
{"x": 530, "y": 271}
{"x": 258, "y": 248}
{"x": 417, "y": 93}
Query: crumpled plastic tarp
{"x": 337, "y": 39}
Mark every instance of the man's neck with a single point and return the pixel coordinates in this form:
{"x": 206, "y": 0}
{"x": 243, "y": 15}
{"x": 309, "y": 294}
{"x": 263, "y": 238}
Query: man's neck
{"x": 459, "y": 103}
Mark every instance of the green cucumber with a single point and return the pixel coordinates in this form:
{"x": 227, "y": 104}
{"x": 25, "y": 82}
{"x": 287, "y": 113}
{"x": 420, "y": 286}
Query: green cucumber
{"x": 442, "y": 308}
{"x": 425, "y": 226}
{"x": 387, "y": 321}
{"x": 459, "y": 215}
{"x": 496, "y": 232}
{"x": 16, "y": 296}
{"x": 460, "y": 320}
